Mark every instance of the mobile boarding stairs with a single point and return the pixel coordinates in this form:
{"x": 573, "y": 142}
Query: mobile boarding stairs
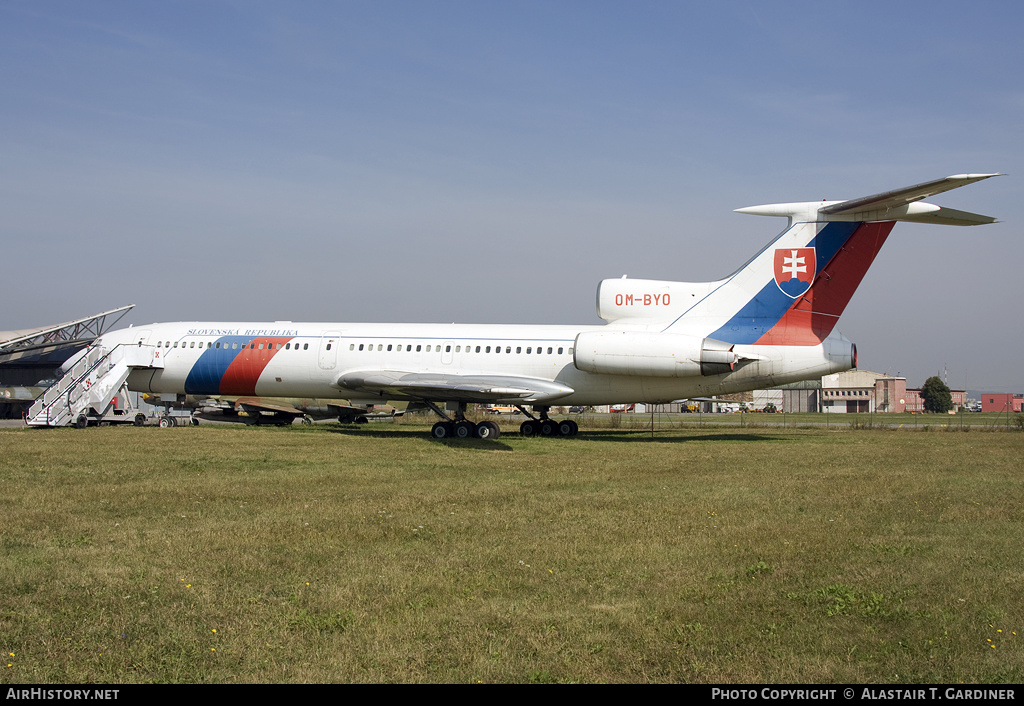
{"x": 93, "y": 384}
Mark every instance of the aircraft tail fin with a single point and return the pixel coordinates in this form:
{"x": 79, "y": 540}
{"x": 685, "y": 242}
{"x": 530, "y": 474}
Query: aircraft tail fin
{"x": 794, "y": 290}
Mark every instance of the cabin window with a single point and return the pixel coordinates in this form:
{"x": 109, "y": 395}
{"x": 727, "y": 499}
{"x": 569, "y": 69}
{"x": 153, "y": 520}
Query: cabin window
{"x": 192, "y": 344}
{"x": 261, "y": 346}
{"x": 305, "y": 346}
{"x": 234, "y": 345}
{"x": 488, "y": 349}
{"x": 418, "y": 348}
{"x": 508, "y": 349}
{"x": 458, "y": 349}
{"x": 428, "y": 349}
{"x": 328, "y": 346}
{"x": 559, "y": 350}
{"x": 478, "y": 349}
{"x": 529, "y": 350}
{"x": 447, "y": 349}
{"x": 389, "y": 346}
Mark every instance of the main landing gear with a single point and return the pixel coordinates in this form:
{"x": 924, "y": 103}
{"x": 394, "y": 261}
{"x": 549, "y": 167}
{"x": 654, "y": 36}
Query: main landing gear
{"x": 462, "y": 428}
{"x": 543, "y": 426}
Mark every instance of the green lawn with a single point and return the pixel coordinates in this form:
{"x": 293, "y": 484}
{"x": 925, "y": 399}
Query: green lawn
{"x": 375, "y": 554}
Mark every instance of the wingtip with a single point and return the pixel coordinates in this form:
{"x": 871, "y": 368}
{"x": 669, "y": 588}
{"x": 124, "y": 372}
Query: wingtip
{"x": 974, "y": 177}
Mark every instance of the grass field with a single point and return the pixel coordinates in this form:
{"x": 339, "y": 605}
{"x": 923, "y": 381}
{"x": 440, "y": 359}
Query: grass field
{"x": 337, "y": 554}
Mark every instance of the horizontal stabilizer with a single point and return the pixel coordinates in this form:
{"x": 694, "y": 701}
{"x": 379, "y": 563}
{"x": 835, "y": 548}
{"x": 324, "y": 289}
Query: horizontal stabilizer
{"x": 950, "y": 217}
{"x": 898, "y": 205}
{"x": 901, "y": 197}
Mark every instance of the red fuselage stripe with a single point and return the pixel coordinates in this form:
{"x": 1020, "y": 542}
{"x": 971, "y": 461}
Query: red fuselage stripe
{"x": 241, "y": 376}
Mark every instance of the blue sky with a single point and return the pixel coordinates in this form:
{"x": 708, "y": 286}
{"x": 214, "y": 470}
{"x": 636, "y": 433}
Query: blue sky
{"x": 491, "y": 162}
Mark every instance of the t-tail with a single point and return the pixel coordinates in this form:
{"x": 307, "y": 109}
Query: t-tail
{"x": 793, "y": 291}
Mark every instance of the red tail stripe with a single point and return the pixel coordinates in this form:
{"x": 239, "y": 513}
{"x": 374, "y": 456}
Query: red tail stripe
{"x": 813, "y": 316}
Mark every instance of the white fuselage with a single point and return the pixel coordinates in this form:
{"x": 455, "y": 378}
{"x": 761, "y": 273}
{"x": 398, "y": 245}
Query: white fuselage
{"x": 285, "y": 359}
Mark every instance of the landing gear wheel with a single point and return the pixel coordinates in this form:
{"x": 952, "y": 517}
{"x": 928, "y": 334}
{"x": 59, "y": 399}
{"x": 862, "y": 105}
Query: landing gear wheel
{"x": 487, "y": 430}
{"x": 465, "y": 429}
{"x": 529, "y": 428}
{"x": 548, "y": 427}
{"x": 441, "y": 430}
{"x": 193, "y": 421}
{"x": 166, "y": 422}
{"x": 82, "y": 422}
{"x": 567, "y": 427}
{"x": 362, "y": 420}
{"x": 140, "y": 419}
{"x": 306, "y": 421}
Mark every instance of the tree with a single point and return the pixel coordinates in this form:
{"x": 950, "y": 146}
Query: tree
{"x": 936, "y": 395}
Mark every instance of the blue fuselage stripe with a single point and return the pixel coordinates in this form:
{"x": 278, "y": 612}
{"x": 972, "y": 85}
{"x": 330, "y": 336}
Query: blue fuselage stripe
{"x": 205, "y": 376}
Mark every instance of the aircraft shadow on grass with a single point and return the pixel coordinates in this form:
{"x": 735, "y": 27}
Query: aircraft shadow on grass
{"x": 388, "y": 434}
{"x": 635, "y": 435}
{"x": 613, "y": 435}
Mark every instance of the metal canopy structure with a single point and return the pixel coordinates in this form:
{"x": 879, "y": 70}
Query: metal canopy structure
{"x": 17, "y": 344}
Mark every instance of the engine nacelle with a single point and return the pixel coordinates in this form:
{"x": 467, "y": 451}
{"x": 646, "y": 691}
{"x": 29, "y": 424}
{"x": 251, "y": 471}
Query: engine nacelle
{"x": 651, "y": 354}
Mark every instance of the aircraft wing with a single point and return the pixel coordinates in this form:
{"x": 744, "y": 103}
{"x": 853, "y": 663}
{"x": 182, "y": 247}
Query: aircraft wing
{"x": 282, "y": 405}
{"x": 396, "y": 384}
{"x": 269, "y": 404}
{"x": 869, "y": 206}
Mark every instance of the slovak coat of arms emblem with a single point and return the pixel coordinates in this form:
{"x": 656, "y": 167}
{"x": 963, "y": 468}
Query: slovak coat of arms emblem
{"x": 794, "y": 270}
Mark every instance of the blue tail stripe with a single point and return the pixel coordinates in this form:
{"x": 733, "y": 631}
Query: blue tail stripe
{"x": 769, "y": 305}
{"x": 829, "y": 240}
{"x": 757, "y": 316}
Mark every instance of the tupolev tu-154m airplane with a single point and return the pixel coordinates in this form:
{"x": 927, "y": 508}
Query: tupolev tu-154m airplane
{"x": 769, "y": 323}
